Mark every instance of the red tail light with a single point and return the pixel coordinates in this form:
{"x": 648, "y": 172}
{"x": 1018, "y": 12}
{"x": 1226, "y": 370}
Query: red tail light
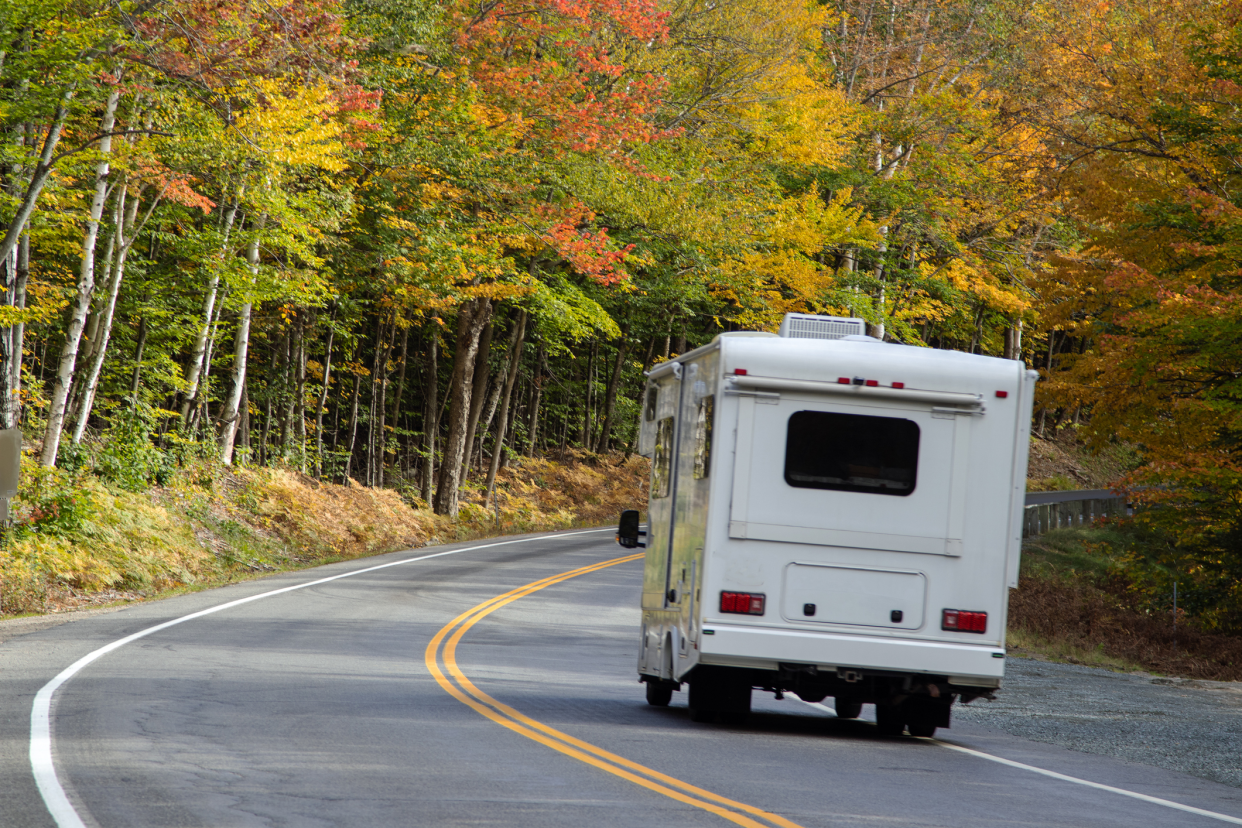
{"x": 899, "y": 385}
{"x": 843, "y": 380}
{"x": 743, "y": 603}
{"x": 964, "y": 621}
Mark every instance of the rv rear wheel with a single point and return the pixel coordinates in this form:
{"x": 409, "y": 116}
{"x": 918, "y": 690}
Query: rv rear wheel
{"x": 659, "y": 693}
{"x": 847, "y": 709}
{"x": 888, "y": 719}
{"x": 922, "y": 729}
{"x": 719, "y": 691}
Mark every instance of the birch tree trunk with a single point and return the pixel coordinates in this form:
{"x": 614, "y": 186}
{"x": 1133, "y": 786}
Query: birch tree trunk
{"x": 12, "y": 293}
{"x": 229, "y": 417}
{"x": 127, "y": 232}
{"x": 86, "y": 289}
{"x": 209, "y": 304}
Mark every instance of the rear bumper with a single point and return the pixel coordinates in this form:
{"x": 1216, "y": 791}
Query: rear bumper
{"x": 765, "y": 649}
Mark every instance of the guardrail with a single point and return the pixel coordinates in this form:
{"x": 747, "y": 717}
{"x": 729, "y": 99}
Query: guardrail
{"x": 1054, "y": 510}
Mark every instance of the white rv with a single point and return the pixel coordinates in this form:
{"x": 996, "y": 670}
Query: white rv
{"x": 830, "y": 515}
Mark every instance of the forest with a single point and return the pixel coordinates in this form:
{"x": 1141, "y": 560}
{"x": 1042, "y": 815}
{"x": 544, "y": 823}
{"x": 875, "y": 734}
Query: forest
{"x": 403, "y": 241}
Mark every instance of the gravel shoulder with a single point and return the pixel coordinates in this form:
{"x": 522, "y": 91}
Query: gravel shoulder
{"x": 1189, "y": 726}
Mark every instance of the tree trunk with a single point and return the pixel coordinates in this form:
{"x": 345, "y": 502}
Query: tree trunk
{"x": 502, "y": 423}
{"x": 470, "y": 323}
{"x": 209, "y": 303}
{"x": 610, "y": 394}
{"x": 377, "y": 369}
{"x": 584, "y": 438}
{"x": 398, "y": 398}
{"x": 86, "y": 289}
{"x": 299, "y": 404}
{"x": 127, "y": 232}
{"x": 288, "y": 350}
{"x": 353, "y": 427}
{"x": 381, "y": 408}
{"x": 13, "y": 276}
{"x": 231, "y": 409}
{"x": 431, "y": 402}
{"x": 244, "y": 428}
{"x": 323, "y": 396}
{"x": 478, "y": 393}
{"x": 536, "y": 397}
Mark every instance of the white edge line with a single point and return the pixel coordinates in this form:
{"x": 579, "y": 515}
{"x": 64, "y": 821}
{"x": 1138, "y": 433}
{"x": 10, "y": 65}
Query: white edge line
{"x": 1064, "y": 778}
{"x": 41, "y": 763}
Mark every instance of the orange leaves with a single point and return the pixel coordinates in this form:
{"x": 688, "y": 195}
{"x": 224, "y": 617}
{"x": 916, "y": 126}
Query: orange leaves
{"x": 588, "y": 251}
{"x": 559, "y": 64}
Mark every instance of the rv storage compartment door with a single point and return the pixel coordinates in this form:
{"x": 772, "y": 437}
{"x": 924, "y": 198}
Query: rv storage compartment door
{"x": 815, "y": 470}
{"x": 853, "y": 595}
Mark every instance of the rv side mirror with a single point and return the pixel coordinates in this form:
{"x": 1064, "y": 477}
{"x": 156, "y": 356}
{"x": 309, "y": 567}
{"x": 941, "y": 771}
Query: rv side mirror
{"x": 628, "y": 532}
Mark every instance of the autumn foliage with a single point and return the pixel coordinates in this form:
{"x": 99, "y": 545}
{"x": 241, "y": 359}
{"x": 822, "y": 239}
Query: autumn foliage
{"x": 405, "y": 243}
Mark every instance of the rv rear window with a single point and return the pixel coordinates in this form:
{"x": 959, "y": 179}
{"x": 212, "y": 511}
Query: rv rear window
{"x": 852, "y": 453}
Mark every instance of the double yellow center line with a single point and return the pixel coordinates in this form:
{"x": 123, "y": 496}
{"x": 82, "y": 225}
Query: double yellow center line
{"x": 443, "y": 651}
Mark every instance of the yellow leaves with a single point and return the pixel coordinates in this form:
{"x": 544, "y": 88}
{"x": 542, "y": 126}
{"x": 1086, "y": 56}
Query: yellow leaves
{"x": 972, "y": 278}
{"x": 808, "y": 224}
{"x": 290, "y": 126}
{"x": 799, "y": 120}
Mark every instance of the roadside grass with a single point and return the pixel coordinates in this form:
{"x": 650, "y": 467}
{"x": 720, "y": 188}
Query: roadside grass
{"x": 1077, "y": 602}
{"x": 80, "y": 541}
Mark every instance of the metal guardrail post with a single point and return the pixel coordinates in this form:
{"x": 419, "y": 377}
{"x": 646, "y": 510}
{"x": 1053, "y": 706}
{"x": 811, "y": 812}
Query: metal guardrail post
{"x": 1046, "y": 511}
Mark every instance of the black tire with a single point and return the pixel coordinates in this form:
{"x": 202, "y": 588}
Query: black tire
{"x": 719, "y": 691}
{"x": 922, "y": 729}
{"x": 847, "y": 709}
{"x": 888, "y": 720}
{"x": 659, "y": 693}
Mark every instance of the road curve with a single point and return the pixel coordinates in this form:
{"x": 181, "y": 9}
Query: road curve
{"x": 321, "y": 705}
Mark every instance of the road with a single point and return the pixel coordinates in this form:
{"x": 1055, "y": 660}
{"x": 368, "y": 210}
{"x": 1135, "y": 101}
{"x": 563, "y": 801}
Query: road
{"x": 377, "y": 699}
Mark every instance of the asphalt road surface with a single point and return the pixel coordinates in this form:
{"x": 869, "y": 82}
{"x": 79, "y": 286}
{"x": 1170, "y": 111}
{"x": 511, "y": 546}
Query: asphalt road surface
{"x": 380, "y": 699}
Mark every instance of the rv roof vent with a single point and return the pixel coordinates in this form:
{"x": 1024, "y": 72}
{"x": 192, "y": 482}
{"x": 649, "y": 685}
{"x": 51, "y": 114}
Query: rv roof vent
{"x": 805, "y": 326}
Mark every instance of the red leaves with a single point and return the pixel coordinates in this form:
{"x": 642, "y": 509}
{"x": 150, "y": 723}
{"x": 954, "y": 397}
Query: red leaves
{"x": 563, "y": 71}
{"x": 353, "y": 102}
{"x": 588, "y": 251}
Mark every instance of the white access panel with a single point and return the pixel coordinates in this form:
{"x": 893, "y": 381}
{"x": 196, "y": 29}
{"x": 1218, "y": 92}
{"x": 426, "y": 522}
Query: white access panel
{"x": 854, "y": 595}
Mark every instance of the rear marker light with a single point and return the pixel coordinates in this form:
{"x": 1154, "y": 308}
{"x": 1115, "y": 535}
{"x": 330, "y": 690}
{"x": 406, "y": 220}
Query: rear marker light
{"x": 739, "y": 372}
{"x": 742, "y": 603}
{"x": 872, "y": 384}
{"x": 843, "y": 380}
{"x": 1002, "y": 394}
{"x": 899, "y": 385}
{"x": 964, "y": 621}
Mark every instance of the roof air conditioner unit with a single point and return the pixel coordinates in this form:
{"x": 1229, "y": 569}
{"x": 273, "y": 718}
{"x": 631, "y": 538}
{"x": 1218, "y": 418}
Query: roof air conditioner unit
{"x": 805, "y": 326}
